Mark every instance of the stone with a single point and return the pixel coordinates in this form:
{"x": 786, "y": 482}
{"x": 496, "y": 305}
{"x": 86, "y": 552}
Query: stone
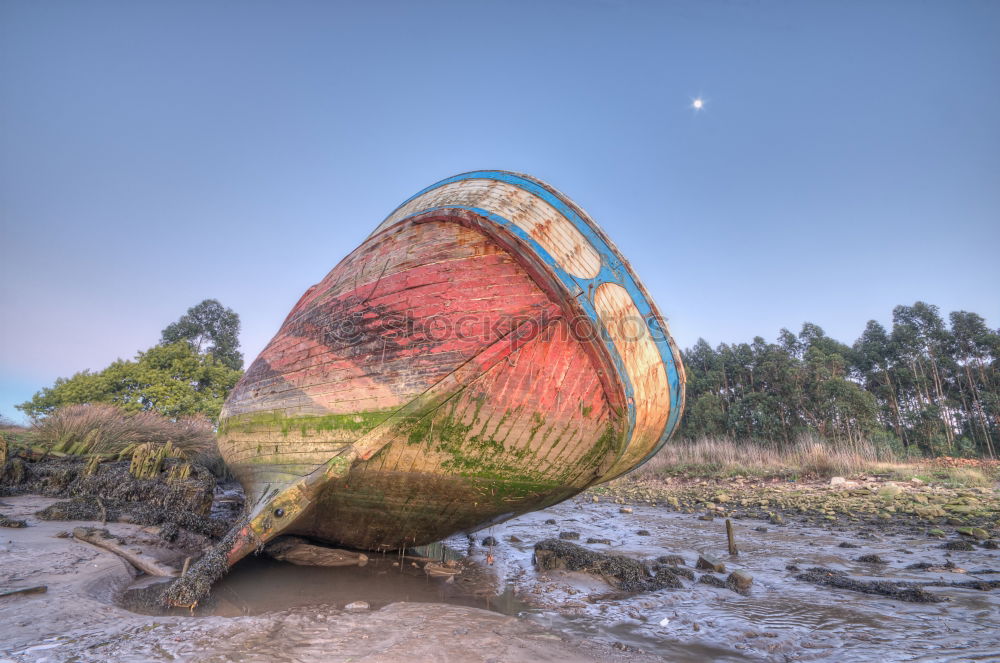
{"x": 672, "y": 560}
{"x": 837, "y": 481}
{"x": 357, "y": 606}
{"x": 936, "y": 533}
{"x": 889, "y": 492}
{"x": 712, "y": 581}
{"x": 642, "y": 532}
{"x": 595, "y": 499}
{"x": 550, "y": 521}
{"x": 625, "y": 509}
{"x": 708, "y": 563}
{"x": 569, "y": 536}
{"x": 739, "y": 581}
{"x": 706, "y": 516}
{"x": 606, "y": 542}
{"x": 513, "y": 538}
{"x": 490, "y": 541}
{"x": 721, "y": 498}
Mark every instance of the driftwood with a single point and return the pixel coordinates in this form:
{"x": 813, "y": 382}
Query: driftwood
{"x": 37, "y": 589}
{"x": 296, "y": 551}
{"x": 103, "y": 539}
{"x": 439, "y": 570}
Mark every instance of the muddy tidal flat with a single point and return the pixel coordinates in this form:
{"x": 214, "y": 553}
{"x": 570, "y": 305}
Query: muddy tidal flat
{"x": 813, "y": 556}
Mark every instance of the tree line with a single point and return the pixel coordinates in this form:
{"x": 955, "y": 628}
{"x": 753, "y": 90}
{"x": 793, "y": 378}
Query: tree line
{"x": 922, "y": 387}
{"x": 189, "y": 372}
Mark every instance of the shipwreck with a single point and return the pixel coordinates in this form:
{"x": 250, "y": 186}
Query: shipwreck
{"x": 485, "y": 352}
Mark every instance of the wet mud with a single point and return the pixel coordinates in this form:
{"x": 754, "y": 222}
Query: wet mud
{"x": 780, "y": 617}
{"x": 802, "y": 601}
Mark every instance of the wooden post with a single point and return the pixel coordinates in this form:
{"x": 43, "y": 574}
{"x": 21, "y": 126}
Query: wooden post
{"x": 731, "y": 537}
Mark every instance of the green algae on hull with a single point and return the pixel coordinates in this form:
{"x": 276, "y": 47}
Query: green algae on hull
{"x": 306, "y": 424}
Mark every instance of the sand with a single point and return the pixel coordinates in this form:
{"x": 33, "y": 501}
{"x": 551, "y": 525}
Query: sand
{"x": 77, "y": 619}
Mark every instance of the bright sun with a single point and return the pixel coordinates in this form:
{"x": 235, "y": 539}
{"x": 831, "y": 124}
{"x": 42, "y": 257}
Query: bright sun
{"x": 698, "y": 103}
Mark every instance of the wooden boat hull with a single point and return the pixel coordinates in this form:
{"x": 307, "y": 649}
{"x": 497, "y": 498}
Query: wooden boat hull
{"x": 484, "y": 353}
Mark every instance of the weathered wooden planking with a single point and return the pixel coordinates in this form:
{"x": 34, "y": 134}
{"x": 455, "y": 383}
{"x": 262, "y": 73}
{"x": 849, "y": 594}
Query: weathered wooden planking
{"x": 592, "y": 394}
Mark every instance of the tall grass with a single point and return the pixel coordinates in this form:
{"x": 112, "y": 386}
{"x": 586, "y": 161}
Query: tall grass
{"x": 103, "y": 429}
{"x": 727, "y": 457}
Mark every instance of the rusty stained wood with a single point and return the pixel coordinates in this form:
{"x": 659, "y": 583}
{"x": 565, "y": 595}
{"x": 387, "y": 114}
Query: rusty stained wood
{"x": 337, "y": 426}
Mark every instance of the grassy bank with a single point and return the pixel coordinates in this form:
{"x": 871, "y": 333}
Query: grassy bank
{"x": 808, "y": 459}
{"x": 823, "y": 484}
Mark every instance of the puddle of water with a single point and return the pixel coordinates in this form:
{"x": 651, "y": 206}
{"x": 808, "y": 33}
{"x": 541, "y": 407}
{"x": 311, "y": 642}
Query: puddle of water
{"x": 259, "y": 584}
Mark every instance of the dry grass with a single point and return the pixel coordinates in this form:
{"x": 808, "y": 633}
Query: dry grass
{"x": 106, "y": 430}
{"x": 806, "y": 457}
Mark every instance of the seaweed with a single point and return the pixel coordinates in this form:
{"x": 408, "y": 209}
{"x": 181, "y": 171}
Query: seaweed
{"x": 901, "y": 591}
{"x": 623, "y": 573}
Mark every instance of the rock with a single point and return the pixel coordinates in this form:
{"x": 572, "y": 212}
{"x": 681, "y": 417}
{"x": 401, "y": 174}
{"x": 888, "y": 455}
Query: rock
{"x": 674, "y": 560}
{"x": 837, "y": 481}
{"x": 623, "y": 573}
{"x": 990, "y": 544}
{"x": 845, "y": 544}
{"x": 776, "y": 519}
{"x": 357, "y": 606}
{"x": 958, "y": 545}
{"x": 930, "y": 511}
{"x": 708, "y": 563}
{"x": 606, "y": 542}
{"x": 712, "y": 581}
{"x": 706, "y": 516}
{"x": 666, "y": 578}
{"x": 792, "y": 567}
{"x": 595, "y": 499}
{"x": 936, "y": 533}
{"x": 760, "y": 529}
{"x": 871, "y": 559}
{"x": 490, "y": 541}
{"x": 569, "y": 536}
{"x": 625, "y": 509}
{"x": 721, "y": 498}
{"x": 975, "y": 532}
{"x": 889, "y": 492}
{"x": 513, "y": 538}
{"x": 642, "y": 532}
{"x": 680, "y": 571}
{"x": 550, "y": 521}
{"x": 917, "y": 482}
{"x": 739, "y": 582}
{"x": 10, "y": 522}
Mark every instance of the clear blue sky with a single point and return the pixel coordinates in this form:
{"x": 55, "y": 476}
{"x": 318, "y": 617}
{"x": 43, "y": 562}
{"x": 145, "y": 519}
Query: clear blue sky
{"x": 152, "y": 155}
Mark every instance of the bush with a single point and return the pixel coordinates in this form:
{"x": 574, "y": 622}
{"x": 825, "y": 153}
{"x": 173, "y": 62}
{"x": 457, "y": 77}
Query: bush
{"x": 106, "y": 430}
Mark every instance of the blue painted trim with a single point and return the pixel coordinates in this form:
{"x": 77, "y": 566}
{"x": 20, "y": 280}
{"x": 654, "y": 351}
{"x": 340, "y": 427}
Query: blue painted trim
{"x": 613, "y": 270}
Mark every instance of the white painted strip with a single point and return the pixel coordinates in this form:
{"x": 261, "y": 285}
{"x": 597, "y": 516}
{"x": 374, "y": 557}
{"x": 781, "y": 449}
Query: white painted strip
{"x": 533, "y": 215}
{"x": 644, "y": 365}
